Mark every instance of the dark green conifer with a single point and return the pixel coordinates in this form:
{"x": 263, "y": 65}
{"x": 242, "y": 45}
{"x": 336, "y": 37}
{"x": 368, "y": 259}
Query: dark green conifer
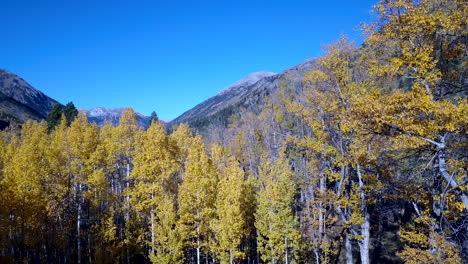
{"x": 70, "y": 112}
{"x": 53, "y": 118}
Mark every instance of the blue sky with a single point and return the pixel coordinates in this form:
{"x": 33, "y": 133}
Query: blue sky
{"x": 165, "y": 56}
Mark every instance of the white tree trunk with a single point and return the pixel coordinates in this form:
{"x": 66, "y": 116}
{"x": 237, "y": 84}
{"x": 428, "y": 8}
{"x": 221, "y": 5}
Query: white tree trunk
{"x": 152, "y": 230}
{"x": 364, "y": 243}
{"x": 365, "y": 226}
{"x": 271, "y": 246}
{"x": 320, "y": 215}
{"x": 443, "y": 170}
{"x": 127, "y": 185}
{"x": 348, "y": 249}
{"x": 198, "y": 251}
{"x": 78, "y": 225}
{"x": 317, "y": 257}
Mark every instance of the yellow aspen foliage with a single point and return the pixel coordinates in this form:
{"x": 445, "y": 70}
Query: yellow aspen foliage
{"x": 229, "y": 225}
{"x": 152, "y": 195}
{"x": 59, "y": 187}
{"x": 183, "y": 138}
{"x": 420, "y": 38}
{"x": 168, "y": 240}
{"x": 439, "y": 251}
{"x": 276, "y": 222}
{"x": 197, "y": 196}
{"x": 23, "y": 186}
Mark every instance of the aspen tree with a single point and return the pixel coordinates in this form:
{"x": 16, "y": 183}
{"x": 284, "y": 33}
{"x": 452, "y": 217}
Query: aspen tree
{"x": 59, "y": 187}
{"x": 124, "y": 139}
{"x": 275, "y": 219}
{"x": 184, "y": 140}
{"x": 330, "y": 89}
{"x": 197, "y": 196}
{"x": 230, "y": 223}
{"x": 424, "y": 43}
{"x": 153, "y": 193}
{"x": 82, "y": 139}
{"x": 23, "y": 183}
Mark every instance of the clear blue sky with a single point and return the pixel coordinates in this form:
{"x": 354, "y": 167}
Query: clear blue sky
{"x": 165, "y": 56}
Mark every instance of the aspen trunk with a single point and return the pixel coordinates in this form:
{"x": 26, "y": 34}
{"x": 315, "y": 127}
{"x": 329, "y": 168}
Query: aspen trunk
{"x": 198, "y": 251}
{"x": 271, "y": 247}
{"x": 348, "y": 249}
{"x": 365, "y": 226}
{"x": 127, "y": 211}
{"x": 320, "y": 215}
{"x": 152, "y": 230}
{"x": 364, "y": 243}
{"x": 317, "y": 257}
{"x": 78, "y": 226}
{"x": 443, "y": 170}
{"x": 127, "y": 185}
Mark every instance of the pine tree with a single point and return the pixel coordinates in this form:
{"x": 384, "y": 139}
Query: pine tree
{"x": 70, "y": 112}
{"x": 53, "y": 118}
{"x": 153, "y": 118}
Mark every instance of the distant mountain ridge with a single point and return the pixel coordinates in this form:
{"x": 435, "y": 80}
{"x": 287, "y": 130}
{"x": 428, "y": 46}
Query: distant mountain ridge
{"x": 19, "y": 101}
{"x": 246, "y": 94}
{"x": 101, "y": 115}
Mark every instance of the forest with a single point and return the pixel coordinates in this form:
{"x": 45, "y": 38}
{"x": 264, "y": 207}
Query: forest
{"x": 366, "y": 164}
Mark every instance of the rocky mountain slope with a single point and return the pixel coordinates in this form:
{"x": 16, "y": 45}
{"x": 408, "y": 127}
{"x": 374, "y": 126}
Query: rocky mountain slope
{"x": 19, "y": 101}
{"x": 245, "y": 94}
{"x": 227, "y": 97}
{"x": 101, "y": 115}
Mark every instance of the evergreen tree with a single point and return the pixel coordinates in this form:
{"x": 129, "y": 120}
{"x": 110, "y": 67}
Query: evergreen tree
{"x": 153, "y": 117}
{"x": 70, "y": 112}
{"x": 53, "y": 118}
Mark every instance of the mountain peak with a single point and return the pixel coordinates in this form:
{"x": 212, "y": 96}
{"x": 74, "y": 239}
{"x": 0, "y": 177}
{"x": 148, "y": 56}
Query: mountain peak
{"x": 248, "y": 80}
{"x": 246, "y": 93}
{"x": 99, "y": 111}
{"x": 101, "y": 115}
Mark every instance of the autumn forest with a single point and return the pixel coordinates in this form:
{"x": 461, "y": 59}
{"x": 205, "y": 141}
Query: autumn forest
{"x": 366, "y": 164}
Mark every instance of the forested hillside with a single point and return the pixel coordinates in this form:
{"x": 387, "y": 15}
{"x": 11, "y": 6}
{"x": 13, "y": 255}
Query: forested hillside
{"x": 19, "y": 101}
{"x": 367, "y": 163}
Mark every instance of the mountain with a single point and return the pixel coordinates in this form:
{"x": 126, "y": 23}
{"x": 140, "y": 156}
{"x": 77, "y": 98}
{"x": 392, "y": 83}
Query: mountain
{"x": 248, "y": 80}
{"x": 101, "y": 115}
{"x": 227, "y": 97}
{"x": 19, "y": 101}
{"x": 246, "y": 94}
